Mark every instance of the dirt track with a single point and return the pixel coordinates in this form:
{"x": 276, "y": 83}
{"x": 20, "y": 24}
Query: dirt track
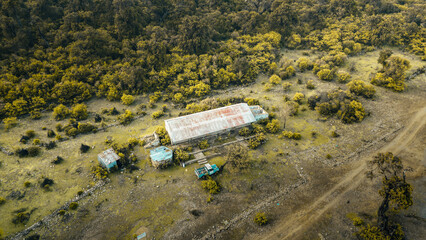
{"x": 297, "y": 222}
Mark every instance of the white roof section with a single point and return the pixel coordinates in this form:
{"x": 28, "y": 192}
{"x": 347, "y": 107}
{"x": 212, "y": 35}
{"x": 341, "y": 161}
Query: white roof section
{"x": 197, "y": 125}
{"x": 108, "y": 156}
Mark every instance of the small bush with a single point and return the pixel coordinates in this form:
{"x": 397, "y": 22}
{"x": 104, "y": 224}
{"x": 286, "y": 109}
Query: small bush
{"x": 211, "y": 185}
{"x": 79, "y": 111}
{"x": 51, "y": 133}
{"x": 273, "y": 126}
{"x": 127, "y": 99}
{"x": 328, "y": 156}
{"x": 291, "y": 135}
{"x": 62, "y": 212}
{"x": 46, "y": 182}
{"x": 98, "y": 118}
{"x": 334, "y": 134}
{"x": 10, "y": 122}
{"x": 86, "y": 128}
{"x": 99, "y": 172}
{"x": 30, "y": 134}
{"x": 326, "y": 74}
{"x": 310, "y": 85}
{"x": 2, "y": 200}
{"x": 343, "y": 77}
{"x": 36, "y": 141}
{"x": 275, "y": 79}
{"x": 73, "y": 206}
{"x": 21, "y": 217}
{"x": 245, "y": 132}
{"x": 72, "y": 132}
{"x": 360, "y": 88}
{"x": 58, "y": 127}
{"x": 33, "y": 151}
{"x": 298, "y": 97}
{"x": 180, "y": 155}
{"x": 84, "y": 148}
{"x": 255, "y": 142}
{"x": 157, "y": 114}
{"x": 203, "y": 144}
{"x": 57, "y": 160}
{"x": 27, "y": 184}
{"x": 21, "y": 152}
{"x": 286, "y": 86}
{"x": 61, "y": 112}
{"x": 51, "y": 144}
{"x": 260, "y": 219}
{"x": 251, "y": 101}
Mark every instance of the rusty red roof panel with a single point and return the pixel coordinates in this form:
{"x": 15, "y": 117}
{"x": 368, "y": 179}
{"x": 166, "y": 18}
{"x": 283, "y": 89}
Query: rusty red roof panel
{"x": 202, "y": 124}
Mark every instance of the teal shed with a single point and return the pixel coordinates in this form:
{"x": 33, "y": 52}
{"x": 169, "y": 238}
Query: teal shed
{"x": 108, "y": 158}
{"x": 161, "y": 156}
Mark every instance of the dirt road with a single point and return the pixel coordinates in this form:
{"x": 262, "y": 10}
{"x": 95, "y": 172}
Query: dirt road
{"x": 299, "y": 221}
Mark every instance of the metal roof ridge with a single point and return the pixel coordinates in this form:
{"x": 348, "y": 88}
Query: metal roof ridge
{"x": 203, "y": 112}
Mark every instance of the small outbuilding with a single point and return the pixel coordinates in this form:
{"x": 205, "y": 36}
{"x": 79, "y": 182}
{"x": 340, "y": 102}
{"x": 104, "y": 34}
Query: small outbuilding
{"x": 161, "y": 156}
{"x": 108, "y": 158}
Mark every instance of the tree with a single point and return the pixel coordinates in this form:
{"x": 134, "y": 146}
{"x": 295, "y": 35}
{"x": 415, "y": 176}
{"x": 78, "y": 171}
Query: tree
{"x": 60, "y": 112}
{"x": 127, "y": 99}
{"x": 396, "y": 192}
{"x": 237, "y": 157}
{"x": 360, "y": 88}
{"x": 79, "y": 111}
{"x": 392, "y": 74}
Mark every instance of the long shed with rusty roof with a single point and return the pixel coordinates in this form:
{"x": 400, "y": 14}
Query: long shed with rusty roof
{"x": 212, "y": 122}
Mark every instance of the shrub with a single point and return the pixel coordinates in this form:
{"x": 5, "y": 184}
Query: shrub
{"x": 289, "y": 72}
{"x": 273, "y": 126}
{"x": 127, "y": 99}
{"x": 310, "y": 85}
{"x": 99, "y": 172}
{"x": 79, "y": 111}
{"x": 291, "y": 135}
{"x": 360, "y": 88}
{"x": 352, "y": 112}
{"x": 73, "y": 206}
{"x": 334, "y": 134}
{"x": 178, "y": 98}
{"x": 343, "y": 77}
{"x": 59, "y": 137}
{"x": 126, "y": 117}
{"x": 98, "y": 118}
{"x": 36, "y": 141}
{"x": 51, "y": 133}
{"x": 21, "y": 217}
{"x": 10, "y": 122}
{"x": 2, "y": 200}
{"x": 286, "y": 86}
{"x": 298, "y": 97}
{"x": 304, "y": 64}
{"x": 244, "y": 132}
{"x": 157, "y": 114}
{"x": 275, "y": 79}
{"x": 35, "y": 114}
{"x": 50, "y": 145}
{"x": 33, "y": 151}
{"x": 211, "y": 185}
{"x": 30, "y": 134}
{"x": 58, "y": 127}
{"x": 72, "y": 132}
{"x": 328, "y": 156}
{"x": 251, "y": 101}
{"x": 86, "y": 128}
{"x": 203, "y": 144}
{"x": 292, "y": 108}
{"x": 163, "y": 135}
{"x": 180, "y": 155}
{"x": 260, "y": 219}
{"x": 27, "y": 184}
{"x": 57, "y": 160}
{"x": 62, "y": 212}
{"x": 46, "y": 182}
{"x": 61, "y": 112}
{"x": 325, "y": 74}
{"x": 255, "y": 142}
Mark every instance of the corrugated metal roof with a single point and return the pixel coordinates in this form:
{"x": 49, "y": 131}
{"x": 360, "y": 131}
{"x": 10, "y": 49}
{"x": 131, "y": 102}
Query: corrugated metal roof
{"x": 108, "y": 156}
{"x": 161, "y": 153}
{"x": 185, "y": 128}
